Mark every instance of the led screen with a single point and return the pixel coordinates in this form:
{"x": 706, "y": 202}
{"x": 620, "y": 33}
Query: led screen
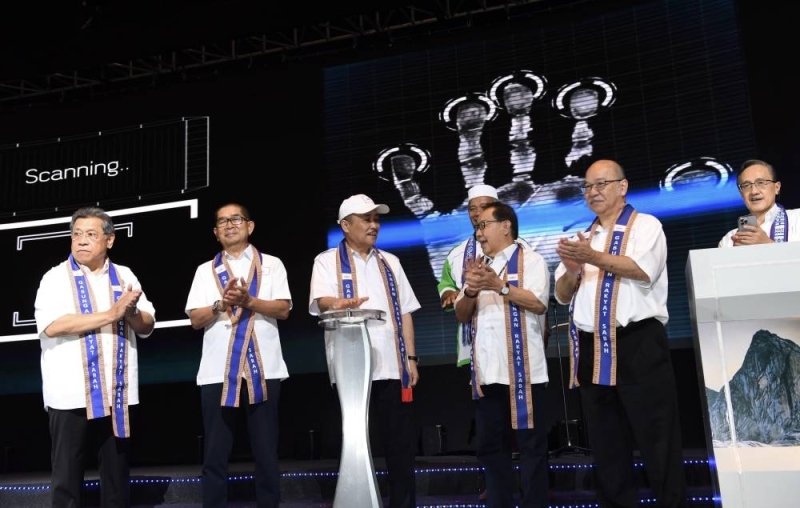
{"x": 524, "y": 106}
{"x": 660, "y": 87}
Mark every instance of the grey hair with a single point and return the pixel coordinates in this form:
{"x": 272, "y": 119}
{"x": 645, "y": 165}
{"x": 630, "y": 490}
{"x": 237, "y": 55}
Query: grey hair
{"x": 757, "y": 162}
{"x": 89, "y": 212}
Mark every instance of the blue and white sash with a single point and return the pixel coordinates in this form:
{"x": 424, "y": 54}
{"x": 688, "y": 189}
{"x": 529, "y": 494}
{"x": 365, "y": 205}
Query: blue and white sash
{"x": 244, "y": 356}
{"x": 519, "y": 384}
{"x": 349, "y": 289}
{"x": 465, "y": 339}
{"x": 92, "y": 353}
{"x": 605, "y": 327}
{"x": 779, "y": 232}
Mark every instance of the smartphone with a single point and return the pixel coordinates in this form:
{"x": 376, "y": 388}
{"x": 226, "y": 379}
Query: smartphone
{"x": 746, "y": 220}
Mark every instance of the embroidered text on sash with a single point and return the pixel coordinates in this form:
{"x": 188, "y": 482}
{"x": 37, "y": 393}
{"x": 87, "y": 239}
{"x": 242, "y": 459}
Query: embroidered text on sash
{"x": 349, "y": 289}
{"x": 244, "y": 357}
{"x": 97, "y": 404}
{"x": 605, "y": 330}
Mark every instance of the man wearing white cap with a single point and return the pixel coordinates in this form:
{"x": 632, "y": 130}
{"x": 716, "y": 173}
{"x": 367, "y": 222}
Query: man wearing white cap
{"x": 452, "y": 278}
{"x": 355, "y": 274}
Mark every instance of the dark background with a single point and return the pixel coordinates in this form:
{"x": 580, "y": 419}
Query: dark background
{"x": 283, "y": 183}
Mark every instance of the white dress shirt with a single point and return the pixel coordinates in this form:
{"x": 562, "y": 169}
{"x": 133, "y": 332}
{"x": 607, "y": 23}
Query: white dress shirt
{"x": 793, "y": 226}
{"x": 63, "y": 385}
{"x": 636, "y": 300}
{"x": 217, "y": 335}
{"x": 325, "y": 282}
{"x": 491, "y": 345}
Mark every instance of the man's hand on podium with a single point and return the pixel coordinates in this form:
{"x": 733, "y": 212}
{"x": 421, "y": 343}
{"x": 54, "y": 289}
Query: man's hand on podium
{"x": 348, "y": 303}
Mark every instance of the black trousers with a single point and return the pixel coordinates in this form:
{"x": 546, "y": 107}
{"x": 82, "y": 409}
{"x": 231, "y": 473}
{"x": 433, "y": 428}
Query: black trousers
{"x": 641, "y": 410}
{"x": 219, "y": 424}
{"x": 398, "y": 436}
{"x": 71, "y": 433}
{"x": 494, "y": 448}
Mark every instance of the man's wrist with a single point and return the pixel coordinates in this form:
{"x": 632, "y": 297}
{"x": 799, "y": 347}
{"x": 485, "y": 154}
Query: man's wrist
{"x": 413, "y": 358}
{"x": 468, "y": 295}
{"x": 505, "y": 289}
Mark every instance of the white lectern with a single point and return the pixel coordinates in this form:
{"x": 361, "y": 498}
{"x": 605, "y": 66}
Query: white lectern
{"x": 745, "y": 306}
{"x": 357, "y": 486}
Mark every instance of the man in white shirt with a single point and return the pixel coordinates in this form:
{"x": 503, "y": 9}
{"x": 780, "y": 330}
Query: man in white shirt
{"x": 501, "y": 301}
{"x": 237, "y": 298}
{"x": 356, "y": 274}
{"x": 759, "y": 186}
{"x": 615, "y": 279}
{"x": 89, "y": 312}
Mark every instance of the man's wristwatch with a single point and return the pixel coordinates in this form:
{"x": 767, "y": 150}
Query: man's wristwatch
{"x": 216, "y": 308}
{"x": 505, "y": 290}
{"x": 414, "y": 358}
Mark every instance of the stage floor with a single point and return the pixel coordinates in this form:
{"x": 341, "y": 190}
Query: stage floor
{"x": 442, "y": 481}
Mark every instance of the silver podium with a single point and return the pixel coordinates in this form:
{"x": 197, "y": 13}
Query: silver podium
{"x": 357, "y": 486}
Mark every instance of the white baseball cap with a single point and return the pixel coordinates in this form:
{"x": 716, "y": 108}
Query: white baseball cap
{"x": 478, "y": 191}
{"x": 360, "y": 203}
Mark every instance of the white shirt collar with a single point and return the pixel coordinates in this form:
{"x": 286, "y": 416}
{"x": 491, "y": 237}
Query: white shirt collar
{"x": 771, "y": 214}
{"x": 246, "y": 254}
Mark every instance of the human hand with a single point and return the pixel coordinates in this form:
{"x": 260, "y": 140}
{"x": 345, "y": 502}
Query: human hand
{"x": 479, "y": 276}
{"x": 413, "y": 373}
{"x": 752, "y": 235}
{"x": 348, "y": 303}
{"x": 449, "y": 298}
{"x": 236, "y": 294}
{"x": 126, "y": 305}
{"x": 574, "y": 253}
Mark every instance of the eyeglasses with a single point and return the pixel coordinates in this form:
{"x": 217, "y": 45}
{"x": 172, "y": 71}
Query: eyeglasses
{"x": 236, "y": 220}
{"x": 92, "y": 236}
{"x": 587, "y": 187}
{"x": 761, "y": 183}
{"x": 482, "y": 224}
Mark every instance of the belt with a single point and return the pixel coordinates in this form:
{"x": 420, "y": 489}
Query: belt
{"x": 633, "y": 325}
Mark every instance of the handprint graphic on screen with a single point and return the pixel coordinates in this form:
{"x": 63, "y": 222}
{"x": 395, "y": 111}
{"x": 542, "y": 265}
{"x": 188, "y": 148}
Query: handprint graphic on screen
{"x": 580, "y": 101}
{"x": 547, "y": 210}
{"x": 469, "y": 116}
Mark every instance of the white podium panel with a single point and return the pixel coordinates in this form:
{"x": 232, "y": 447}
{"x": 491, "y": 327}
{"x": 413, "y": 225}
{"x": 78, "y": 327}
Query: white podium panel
{"x": 357, "y": 485}
{"x": 745, "y": 305}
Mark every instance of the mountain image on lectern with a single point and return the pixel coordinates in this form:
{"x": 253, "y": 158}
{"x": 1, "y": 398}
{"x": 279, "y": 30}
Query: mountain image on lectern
{"x": 764, "y": 394}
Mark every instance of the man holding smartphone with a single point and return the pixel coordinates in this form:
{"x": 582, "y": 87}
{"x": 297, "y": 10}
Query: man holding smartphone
{"x": 768, "y": 221}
